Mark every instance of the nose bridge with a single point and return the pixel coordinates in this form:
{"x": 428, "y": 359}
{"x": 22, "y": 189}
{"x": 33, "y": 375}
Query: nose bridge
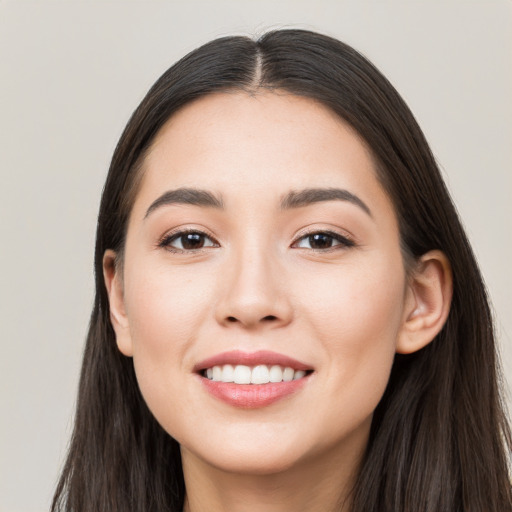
{"x": 253, "y": 291}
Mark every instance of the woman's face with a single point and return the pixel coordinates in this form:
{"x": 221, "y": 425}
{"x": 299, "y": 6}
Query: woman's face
{"x": 261, "y": 238}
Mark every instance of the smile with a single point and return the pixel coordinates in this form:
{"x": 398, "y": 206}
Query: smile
{"x": 261, "y": 374}
{"x": 252, "y": 380}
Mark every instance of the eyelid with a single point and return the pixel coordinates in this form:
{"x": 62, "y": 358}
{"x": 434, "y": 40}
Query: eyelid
{"x": 164, "y": 241}
{"x": 345, "y": 240}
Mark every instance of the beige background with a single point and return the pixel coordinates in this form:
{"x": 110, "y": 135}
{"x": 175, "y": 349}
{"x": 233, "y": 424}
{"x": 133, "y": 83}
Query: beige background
{"x": 70, "y": 75}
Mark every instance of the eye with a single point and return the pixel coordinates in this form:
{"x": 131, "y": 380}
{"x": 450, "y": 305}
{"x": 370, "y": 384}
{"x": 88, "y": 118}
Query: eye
{"x": 187, "y": 241}
{"x": 323, "y": 240}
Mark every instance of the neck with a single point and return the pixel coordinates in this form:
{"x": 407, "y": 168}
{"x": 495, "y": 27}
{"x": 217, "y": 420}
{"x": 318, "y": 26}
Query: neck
{"x": 315, "y": 485}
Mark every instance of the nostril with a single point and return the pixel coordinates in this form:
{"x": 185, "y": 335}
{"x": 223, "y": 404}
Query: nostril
{"x": 268, "y": 318}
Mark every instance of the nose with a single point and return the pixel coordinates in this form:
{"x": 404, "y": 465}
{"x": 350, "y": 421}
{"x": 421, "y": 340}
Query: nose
{"x": 254, "y": 294}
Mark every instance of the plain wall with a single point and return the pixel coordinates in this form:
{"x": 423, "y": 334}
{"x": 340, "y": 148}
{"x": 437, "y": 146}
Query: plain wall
{"x": 72, "y": 72}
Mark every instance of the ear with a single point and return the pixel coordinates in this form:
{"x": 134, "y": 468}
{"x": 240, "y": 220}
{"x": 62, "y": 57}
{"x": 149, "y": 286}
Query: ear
{"x": 113, "y": 281}
{"x": 427, "y": 302}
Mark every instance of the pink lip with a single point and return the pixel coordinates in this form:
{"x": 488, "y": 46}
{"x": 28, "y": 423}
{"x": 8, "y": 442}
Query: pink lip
{"x": 235, "y": 357}
{"x": 251, "y": 396}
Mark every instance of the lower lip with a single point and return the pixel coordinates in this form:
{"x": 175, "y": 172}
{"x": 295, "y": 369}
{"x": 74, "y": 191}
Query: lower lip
{"x": 252, "y": 396}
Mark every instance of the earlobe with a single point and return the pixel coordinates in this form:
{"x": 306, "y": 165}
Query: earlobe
{"x": 118, "y": 318}
{"x": 427, "y": 303}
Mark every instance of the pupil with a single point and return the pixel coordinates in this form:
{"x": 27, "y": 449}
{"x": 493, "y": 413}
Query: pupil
{"x": 192, "y": 241}
{"x": 320, "y": 241}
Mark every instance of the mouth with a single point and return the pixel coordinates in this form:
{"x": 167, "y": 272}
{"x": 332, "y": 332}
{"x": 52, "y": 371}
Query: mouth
{"x": 260, "y": 374}
{"x": 252, "y": 380}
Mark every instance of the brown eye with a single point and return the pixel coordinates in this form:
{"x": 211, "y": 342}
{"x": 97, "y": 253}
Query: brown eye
{"x": 188, "y": 241}
{"x": 322, "y": 241}
{"x": 192, "y": 241}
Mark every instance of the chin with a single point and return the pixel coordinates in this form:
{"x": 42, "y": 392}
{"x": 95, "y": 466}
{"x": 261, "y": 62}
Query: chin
{"x": 255, "y": 462}
{"x": 248, "y": 449}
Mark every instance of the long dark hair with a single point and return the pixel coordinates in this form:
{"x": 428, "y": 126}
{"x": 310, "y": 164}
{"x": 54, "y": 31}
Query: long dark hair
{"x": 439, "y": 439}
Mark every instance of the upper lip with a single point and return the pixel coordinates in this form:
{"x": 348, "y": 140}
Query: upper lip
{"x": 236, "y": 357}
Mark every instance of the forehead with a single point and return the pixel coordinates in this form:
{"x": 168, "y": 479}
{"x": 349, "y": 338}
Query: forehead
{"x": 267, "y": 143}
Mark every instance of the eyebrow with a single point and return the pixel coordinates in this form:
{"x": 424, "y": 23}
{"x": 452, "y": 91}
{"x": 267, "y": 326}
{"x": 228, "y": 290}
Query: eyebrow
{"x": 193, "y": 196}
{"x": 294, "y": 199}
{"x": 298, "y": 199}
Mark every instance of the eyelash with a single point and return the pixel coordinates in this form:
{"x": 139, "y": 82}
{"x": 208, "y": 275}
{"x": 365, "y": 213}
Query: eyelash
{"x": 166, "y": 241}
{"x": 343, "y": 241}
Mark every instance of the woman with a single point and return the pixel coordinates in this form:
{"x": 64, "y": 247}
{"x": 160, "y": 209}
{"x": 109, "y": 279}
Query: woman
{"x": 288, "y": 314}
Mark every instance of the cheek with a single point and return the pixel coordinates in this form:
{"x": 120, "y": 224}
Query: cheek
{"x": 164, "y": 309}
{"x": 357, "y": 316}
{"x": 361, "y": 301}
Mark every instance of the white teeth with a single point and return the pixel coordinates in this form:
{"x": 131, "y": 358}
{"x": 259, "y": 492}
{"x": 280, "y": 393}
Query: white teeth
{"x": 217, "y": 373}
{"x": 242, "y": 374}
{"x": 261, "y": 374}
{"x": 228, "y": 373}
{"x": 276, "y": 374}
{"x": 288, "y": 374}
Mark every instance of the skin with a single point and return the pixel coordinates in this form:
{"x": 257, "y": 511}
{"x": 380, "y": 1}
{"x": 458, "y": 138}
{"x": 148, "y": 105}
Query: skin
{"x": 259, "y": 284}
